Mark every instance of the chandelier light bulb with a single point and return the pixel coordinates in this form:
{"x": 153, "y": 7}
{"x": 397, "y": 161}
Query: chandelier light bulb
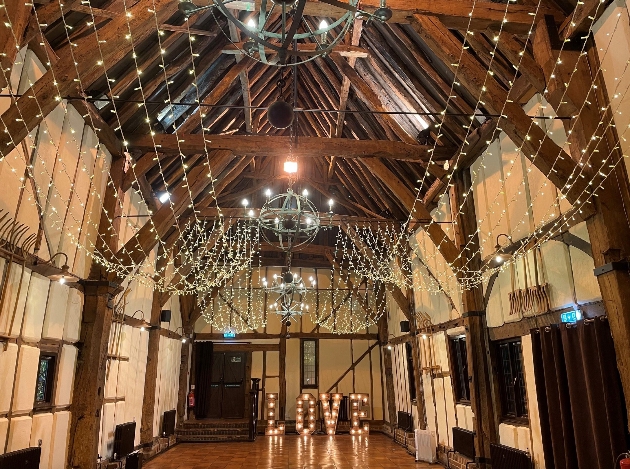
{"x": 251, "y": 24}
{"x": 305, "y": 193}
{"x": 164, "y": 196}
{"x": 245, "y": 203}
{"x": 268, "y": 192}
{"x": 331, "y": 202}
{"x": 323, "y": 24}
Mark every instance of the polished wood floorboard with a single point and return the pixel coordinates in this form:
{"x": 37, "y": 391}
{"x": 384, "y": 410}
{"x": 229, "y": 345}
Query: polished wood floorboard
{"x": 291, "y": 451}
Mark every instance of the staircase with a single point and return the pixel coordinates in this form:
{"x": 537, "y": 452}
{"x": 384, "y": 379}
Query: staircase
{"x": 213, "y": 431}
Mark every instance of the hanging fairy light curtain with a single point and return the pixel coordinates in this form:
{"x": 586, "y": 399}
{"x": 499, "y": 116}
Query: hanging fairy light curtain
{"x": 238, "y": 306}
{"x": 379, "y": 252}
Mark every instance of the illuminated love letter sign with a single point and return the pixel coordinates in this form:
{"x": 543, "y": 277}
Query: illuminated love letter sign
{"x": 357, "y": 412}
{"x": 272, "y": 410}
{"x": 305, "y": 406}
{"x": 330, "y": 414}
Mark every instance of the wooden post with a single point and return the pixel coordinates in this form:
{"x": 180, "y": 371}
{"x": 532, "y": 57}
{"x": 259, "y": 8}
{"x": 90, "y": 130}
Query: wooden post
{"x": 474, "y": 314}
{"x": 608, "y": 228}
{"x": 387, "y": 371}
{"x": 89, "y": 382}
{"x": 417, "y": 366}
{"x": 187, "y": 305}
{"x": 150, "y": 379}
{"x": 282, "y": 372}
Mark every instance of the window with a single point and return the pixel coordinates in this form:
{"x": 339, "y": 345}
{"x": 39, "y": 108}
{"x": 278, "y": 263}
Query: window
{"x": 512, "y": 380}
{"x": 45, "y": 379}
{"x": 459, "y": 359}
{"x": 410, "y": 372}
{"x": 310, "y": 365}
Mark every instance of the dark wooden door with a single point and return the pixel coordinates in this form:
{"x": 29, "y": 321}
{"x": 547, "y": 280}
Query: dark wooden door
{"x": 234, "y": 385}
{"x": 227, "y": 395}
{"x": 216, "y": 388}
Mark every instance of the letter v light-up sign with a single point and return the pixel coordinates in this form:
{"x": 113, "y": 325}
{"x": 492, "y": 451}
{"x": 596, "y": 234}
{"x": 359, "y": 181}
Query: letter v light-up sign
{"x": 330, "y": 414}
{"x": 272, "y": 412}
{"x": 305, "y": 406}
{"x": 357, "y": 412}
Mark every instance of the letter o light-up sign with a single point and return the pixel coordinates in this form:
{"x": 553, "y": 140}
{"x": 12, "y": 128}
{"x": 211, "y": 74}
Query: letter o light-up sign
{"x": 272, "y": 429}
{"x": 305, "y": 406}
{"x": 357, "y": 402}
{"x": 330, "y": 415}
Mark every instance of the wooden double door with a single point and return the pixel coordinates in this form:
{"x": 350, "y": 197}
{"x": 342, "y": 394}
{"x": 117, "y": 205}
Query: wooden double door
{"x": 227, "y": 392}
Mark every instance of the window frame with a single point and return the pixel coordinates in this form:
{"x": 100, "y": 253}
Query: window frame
{"x": 519, "y": 390}
{"x": 459, "y": 374}
{"x": 314, "y": 385}
{"x": 51, "y": 382}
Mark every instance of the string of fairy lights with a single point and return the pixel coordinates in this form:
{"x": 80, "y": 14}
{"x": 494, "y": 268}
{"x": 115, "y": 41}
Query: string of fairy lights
{"x": 215, "y": 259}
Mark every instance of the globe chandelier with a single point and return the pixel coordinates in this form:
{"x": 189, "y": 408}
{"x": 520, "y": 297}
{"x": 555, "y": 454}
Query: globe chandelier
{"x": 283, "y": 35}
{"x": 291, "y": 294}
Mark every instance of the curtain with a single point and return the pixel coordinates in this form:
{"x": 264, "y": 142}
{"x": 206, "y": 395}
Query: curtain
{"x": 582, "y": 412}
{"x": 203, "y": 378}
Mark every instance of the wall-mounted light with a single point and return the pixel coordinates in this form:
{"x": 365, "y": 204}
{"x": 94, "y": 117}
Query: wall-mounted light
{"x": 49, "y": 270}
{"x": 144, "y": 324}
{"x": 500, "y": 256}
{"x": 184, "y": 336}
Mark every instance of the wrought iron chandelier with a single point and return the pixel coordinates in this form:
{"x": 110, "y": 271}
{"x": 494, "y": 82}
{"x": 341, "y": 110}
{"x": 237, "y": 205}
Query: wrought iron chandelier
{"x": 292, "y": 295}
{"x": 283, "y": 35}
{"x": 289, "y": 220}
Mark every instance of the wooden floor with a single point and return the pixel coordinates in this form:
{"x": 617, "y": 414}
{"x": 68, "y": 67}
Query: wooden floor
{"x": 291, "y": 451}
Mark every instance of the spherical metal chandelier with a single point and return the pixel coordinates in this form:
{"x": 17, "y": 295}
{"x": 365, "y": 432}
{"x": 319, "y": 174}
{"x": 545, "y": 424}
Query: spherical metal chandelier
{"x": 284, "y": 34}
{"x": 289, "y": 221}
{"x": 291, "y": 291}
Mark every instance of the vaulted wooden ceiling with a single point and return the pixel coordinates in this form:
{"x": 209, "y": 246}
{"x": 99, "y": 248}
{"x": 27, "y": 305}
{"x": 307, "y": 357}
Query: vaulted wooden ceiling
{"x": 370, "y": 132}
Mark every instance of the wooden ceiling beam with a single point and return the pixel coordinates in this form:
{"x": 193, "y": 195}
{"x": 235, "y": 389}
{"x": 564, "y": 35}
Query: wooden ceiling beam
{"x": 235, "y": 36}
{"x": 277, "y": 146}
{"x": 218, "y": 91}
{"x": 406, "y": 79}
{"x": 16, "y": 15}
{"x": 545, "y": 154}
{"x": 455, "y": 15}
{"x": 444, "y": 244}
{"x": 26, "y": 113}
{"x": 337, "y": 132}
{"x": 138, "y": 246}
{"x": 371, "y": 98}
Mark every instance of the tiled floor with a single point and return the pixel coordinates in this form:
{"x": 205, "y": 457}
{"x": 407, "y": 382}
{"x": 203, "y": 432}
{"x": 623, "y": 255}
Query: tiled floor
{"x": 291, "y": 451}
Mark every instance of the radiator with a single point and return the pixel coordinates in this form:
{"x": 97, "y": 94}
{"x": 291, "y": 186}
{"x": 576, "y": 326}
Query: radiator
{"x": 464, "y": 442}
{"x": 405, "y": 421}
{"x": 504, "y": 457}
{"x": 426, "y": 446}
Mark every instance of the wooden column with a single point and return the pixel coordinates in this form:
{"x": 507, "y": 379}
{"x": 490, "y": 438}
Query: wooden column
{"x": 89, "y": 382}
{"x": 150, "y": 378}
{"x": 417, "y": 366}
{"x": 474, "y": 314}
{"x": 187, "y": 305}
{"x": 282, "y": 372}
{"x": 387, "y": 370}
{"x": 608, "y": 228}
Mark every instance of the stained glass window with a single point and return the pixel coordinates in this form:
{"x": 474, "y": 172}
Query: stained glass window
{"x": 45, "y": 373}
